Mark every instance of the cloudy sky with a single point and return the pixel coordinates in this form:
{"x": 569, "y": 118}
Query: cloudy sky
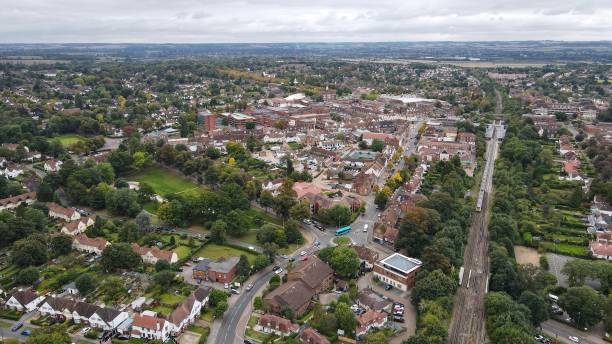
{"x": 204, "y": 21}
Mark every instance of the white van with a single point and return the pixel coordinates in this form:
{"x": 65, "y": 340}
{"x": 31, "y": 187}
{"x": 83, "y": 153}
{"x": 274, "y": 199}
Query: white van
{"x": 553, "y": 298}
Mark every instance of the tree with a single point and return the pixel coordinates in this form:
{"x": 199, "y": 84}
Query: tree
{"x": 45, "y": 193}
{"x": 583, "y": 304}
{"x": 218, "y": 231}
{"x": 61, "y": 245}
{"x": 381, "y": 200}
{"x": 30, "y": 251}
{"x": 216, "y": 296}
{"x": 266, "y": 199}
{"x": 377, "y": 337}
{"x": 300, "y": 211}
{"x": 161, "y": 265}
{"x": 261, "y": 261}
{"x": 243, "y": 268}
{"x": 337, "y": 215}
{"x": 85, "y": 283}
{"x": 258, "y": 303}
{"x": 119, "y": 256}
{"x": 220, "y": 309}
{"x": 27, "y": 276}
{"x": 345, "y": 261}
{"x": 435, "y": 284}
{"x": 123, "y": 202}
{"x": 377, "y": 145}
{"x": 112, "y": 288}
{"x": 164, "y": 278}
{"x": 345, "y": 317}
{"x": 143, "y": 220}
{"x": 537, "y": 305}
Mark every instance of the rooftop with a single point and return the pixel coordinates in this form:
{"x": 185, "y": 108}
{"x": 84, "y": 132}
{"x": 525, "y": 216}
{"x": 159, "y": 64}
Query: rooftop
{"x": 401, "y": 263}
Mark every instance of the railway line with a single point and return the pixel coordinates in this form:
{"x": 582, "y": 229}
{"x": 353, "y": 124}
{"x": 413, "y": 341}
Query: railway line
{"x": 468, "y": 323}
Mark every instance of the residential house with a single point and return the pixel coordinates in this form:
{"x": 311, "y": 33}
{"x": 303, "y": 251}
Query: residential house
{"x": 189, "y": 310}
{"x": 223, "y": 270}
{"x": 269, "y": 323}
{"x": 53, "y": 165}
{"x": 151, "y": 255}
{"x": 82, "y": 312}
{"x": 369, "y": 320}
{"x": 12, "y": 171}
{"x": 59, "y": 212}
{"x": 52, "y": 306}
{"x": 24, "y": 300}
{"x": 311, "y": 336}
{"x": 78, "y": 226}
{"x": 107, "y": 318}
{"x": 369, "y": 299}
{"x": 367, "y": 256}
{"x": 15, "y": 201}
{"x": 601, "y": 248}
{"x": 305, "y": 281}
{"x": 84, "y": 243}
{"x": 147, "y": 325}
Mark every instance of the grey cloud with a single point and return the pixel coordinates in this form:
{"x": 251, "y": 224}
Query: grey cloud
{"x": 201, "y": 21}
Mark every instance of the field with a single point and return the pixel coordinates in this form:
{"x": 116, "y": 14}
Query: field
{"x": 68, "y": 139}
{"x": 164, "y": 182}
{"x": 214, "y": 251}
{"x": 182, "y": 251}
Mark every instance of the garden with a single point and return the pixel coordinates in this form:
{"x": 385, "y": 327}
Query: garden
{"x": 164, "y": 181}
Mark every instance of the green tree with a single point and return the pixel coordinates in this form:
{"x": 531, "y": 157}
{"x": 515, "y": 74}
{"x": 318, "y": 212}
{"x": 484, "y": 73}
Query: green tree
{"x": 345, "y": 261}
{"x": 55, "y": 334}
{"x": 218, "y": 231}
{"x": 261, "y": 261}
{"x": 220, "y": 309}
{"x": 435, "y": 284}
{"x": 123, "y": 202}
{"x": 243, "y": 268}
{"x": 258, "y": 303}
{"x": 381, "y": 200}
{"x": 27, "y": 276}
{"x": 537, "y": 305}
{"x": 345, "y": 317}
{"x": 85, "y": 283}
{"x": 30, "y": 251}
{"x": 377, "y": 145}
{"x": 583, "y": 304}
{"x": 61, "y": 245}
{"x": 119, "y": 256}
{"x": 164, "y": 278}
{"x": 300, "y": 211}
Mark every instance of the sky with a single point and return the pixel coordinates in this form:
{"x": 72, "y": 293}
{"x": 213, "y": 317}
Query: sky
{"x": 244, "y": 21}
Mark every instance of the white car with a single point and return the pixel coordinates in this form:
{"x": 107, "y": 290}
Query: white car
{"x": 574, "y": 339}
{"x": 303, "y": 253}
{"x": 226, "y": 285}
{"x": 365, "y": 227}
{"x": 278, "y": 271}
{"x": 85, "y": 330}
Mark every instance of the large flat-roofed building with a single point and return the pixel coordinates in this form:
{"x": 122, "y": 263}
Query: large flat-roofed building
{"x": 397, "y": 270}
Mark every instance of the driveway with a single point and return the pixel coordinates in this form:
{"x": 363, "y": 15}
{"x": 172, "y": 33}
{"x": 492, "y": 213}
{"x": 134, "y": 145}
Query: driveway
{"x": 189, "y": 338}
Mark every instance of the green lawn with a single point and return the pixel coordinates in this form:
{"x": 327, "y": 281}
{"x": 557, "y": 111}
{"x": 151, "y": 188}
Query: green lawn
{"x": 163, "y": 310}
{"x": 182, "y": 251}
{"x": 171, "y": 298}
{"x": 342, "y": 241}
{"x": 68, "y": 139}
{"x": 164, "y": 182}
{"x": 214, "y": 251}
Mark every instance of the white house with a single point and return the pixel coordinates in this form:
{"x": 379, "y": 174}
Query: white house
{"x": 56, "y": 306}
{"x": 59, "y": 212}
{"x": 281, "y": 327}
{"x": 24, "y": 301}
{"x": 107, "y": 318}
{"x": 188, "y": 311}
{"x": 151, "y": 255}
{"x": 53, "y": 165}
{"x": 84, "y": 243}
{"x": 78, "y": 226}
{"x": 82, "y": 312}
{"x": 147, "y": 325}
{"x": 12, "y": 171}
{"x": 15, "y": 201}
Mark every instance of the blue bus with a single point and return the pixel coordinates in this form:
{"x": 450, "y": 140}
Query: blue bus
{"x": 343, "y": 230}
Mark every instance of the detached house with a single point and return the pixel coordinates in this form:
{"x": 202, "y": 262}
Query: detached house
{"x": 311, "y": 336}
{"x": 52, "y": 165}
{"x": 188, "y": 311}
{"x": 269, "y": 323}
{"x": 24, "y": 301}
{"x": 59, "y": 212}
{"x": 151, "y": 255}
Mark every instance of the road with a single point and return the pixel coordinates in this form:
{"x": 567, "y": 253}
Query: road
{"x": 468, "y": 323}
{"x": 562, "y": 331}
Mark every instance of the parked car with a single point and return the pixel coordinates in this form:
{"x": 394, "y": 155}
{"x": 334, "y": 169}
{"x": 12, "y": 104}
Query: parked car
{"x": 123, "y": 337}
{"x": 303, "y": 253}
{"x": 388, "y": 287}
{"x": 574, "y": 339}
{"x": 26, "y": 333}
{"x": 249, "y": 287}
{"x": 16, "y": 327}
{"x": 235, "y": 291}
{"x": 226, "y": 285}
{"x": 278, "y": 270}
{"x": 85, "y": 330}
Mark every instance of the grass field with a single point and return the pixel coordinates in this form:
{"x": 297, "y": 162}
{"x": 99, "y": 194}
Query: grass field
{"x": 164, "y": 182}
{"x": 171, "y": 299}
{"x": 68, "y": 139}
{"x": 214, "y": 251}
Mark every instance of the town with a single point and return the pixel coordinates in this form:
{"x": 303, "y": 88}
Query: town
{"x": 237, "y": 200}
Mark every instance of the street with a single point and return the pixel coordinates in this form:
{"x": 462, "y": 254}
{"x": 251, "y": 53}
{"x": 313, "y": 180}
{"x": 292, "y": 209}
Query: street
{"x": 562, "y": 332}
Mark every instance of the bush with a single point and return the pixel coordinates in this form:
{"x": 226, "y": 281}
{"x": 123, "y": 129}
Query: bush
{"x": 9, "y": 314}
{"x": 544, "y": 262}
